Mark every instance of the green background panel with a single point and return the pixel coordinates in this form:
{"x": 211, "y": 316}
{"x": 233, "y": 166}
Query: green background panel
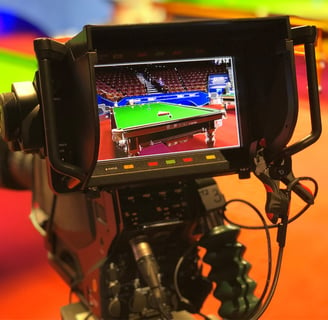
{"x": 15, "y": 67}
{"x": 315, "y": 9}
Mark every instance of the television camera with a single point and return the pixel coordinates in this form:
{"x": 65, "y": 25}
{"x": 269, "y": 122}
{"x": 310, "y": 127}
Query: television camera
{"x": 121, "y": 132}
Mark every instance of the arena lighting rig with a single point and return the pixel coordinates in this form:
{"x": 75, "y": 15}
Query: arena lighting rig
{"x": 123, "y": 129}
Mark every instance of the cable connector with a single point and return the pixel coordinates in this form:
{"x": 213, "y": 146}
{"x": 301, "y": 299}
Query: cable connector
{"x": 278, "y": 200}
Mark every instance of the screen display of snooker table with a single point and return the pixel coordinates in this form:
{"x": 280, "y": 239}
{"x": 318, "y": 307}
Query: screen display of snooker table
{"x": 146, "y": 124}
{"x": 151, "y": 108}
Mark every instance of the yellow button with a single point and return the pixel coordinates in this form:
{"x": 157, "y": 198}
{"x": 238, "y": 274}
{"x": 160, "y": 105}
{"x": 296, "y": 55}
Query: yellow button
{"x": 128, "y": 166}
{"x": 210, "y": 157}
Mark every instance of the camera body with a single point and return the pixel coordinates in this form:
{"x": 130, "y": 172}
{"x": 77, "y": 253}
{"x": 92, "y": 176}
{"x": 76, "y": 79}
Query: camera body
{"x": 125, "y": 140}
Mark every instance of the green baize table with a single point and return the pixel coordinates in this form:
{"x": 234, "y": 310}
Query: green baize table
{"x": 137, "y": 126}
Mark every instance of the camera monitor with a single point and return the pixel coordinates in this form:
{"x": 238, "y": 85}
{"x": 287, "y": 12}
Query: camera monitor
{"x": 131, "y": 103}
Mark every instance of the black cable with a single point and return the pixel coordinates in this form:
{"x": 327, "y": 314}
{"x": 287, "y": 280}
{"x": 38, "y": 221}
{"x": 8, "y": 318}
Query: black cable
{"x": 281, "y": 238}
{"x": 176, "y": 272}
{"x": 282, "y": 231}
{"x": 88, "y": 316}
{"x": 269, "y": 271}
{"x": 289, "y": 187}
{"x": 260, "y": 310}
{"x": 187, "y": 252}
{"x": 175, "y": 280}
{"x": 265, "y": 227}
{"x": 307, "y": 206}
{"x": 203, "y": 315}
{"x": 273, "y": 286}
{"x": 164, "y": 315}
{"x": 257, "y": 211}
{"x": 72, "y": 290}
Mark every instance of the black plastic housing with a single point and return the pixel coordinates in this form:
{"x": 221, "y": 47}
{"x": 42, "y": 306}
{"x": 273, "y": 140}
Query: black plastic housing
{"x": 263, "y": 53}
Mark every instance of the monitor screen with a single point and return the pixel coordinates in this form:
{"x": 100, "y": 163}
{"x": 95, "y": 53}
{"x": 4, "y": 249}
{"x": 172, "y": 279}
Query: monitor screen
{"x": 166, "y": 107}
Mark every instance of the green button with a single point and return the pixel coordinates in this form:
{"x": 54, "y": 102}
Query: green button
{"x": 172, "y": 161}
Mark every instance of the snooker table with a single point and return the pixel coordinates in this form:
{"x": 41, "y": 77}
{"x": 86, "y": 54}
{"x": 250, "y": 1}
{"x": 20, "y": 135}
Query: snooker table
{"x": 137, "y": 126}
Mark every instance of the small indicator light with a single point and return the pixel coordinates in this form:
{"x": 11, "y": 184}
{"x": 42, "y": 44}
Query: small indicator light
{"x": 210, "y": 157}
{"x": 171, "y": 161}
{"x": 177, "y": 52}
{"x": 128, "y": 166}
{"x": 188, "y": 159}
{"x": 153, "y": 164}
{"x": 142, "y": 54}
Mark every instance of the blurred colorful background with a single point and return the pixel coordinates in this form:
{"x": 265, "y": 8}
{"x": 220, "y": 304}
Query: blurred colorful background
{"x": 30, "y": 289}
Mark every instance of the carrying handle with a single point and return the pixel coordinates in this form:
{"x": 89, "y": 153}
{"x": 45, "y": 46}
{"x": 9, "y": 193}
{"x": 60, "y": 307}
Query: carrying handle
{"x": 306, "y": 36}
{"x": 47, "y": 50}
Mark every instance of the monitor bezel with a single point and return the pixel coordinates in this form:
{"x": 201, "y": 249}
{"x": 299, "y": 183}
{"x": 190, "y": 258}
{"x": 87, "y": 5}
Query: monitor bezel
{"x": 267, "y": 101}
